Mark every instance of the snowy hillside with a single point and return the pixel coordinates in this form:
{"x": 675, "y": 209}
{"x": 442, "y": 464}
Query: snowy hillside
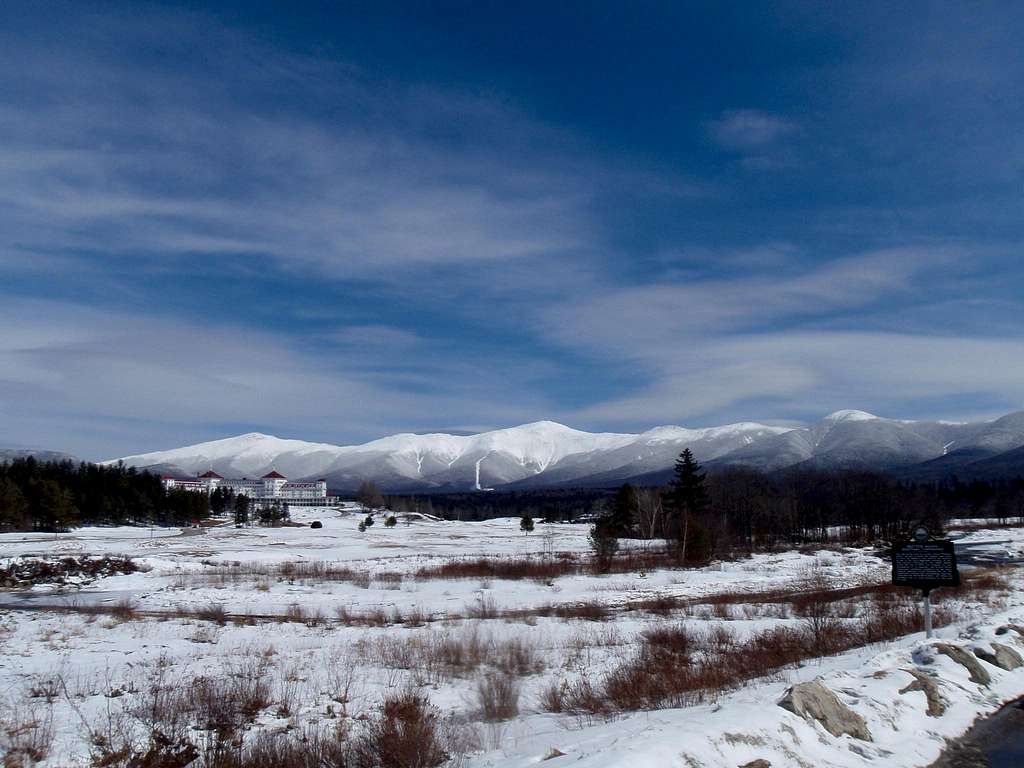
{"x": 547, "y": 454}
{"x": 539, "y": 450}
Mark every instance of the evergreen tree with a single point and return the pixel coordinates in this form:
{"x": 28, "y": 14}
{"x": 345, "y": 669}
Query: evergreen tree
{"x": 218, "y": 501}
{"x": 241, "y": 509}
{"x": 13, "y": 507}
{"x": 526, "y": 523}
{"x": 56, "y": 507}
{"x": 624, "y": 510}
{"x": 390, "y": 521}
{"x": 604, "y": 543}
{"x": 688, "y": 497}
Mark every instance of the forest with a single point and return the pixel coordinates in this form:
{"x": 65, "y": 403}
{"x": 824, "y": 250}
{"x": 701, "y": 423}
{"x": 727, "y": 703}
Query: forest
{"x": 737, "y": 509}
{"x": 57, "y": 495}
{"x": 747, "y": 509}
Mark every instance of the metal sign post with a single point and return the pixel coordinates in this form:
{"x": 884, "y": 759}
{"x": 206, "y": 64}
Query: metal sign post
{"x": 925, "y": 563}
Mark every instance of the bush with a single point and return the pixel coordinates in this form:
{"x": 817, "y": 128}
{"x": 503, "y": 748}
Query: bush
{"x": 316, "y": 524}
{"x": 404, "y": 735}
{"x": 500, "y": 568}
{"x": 604, "y": 544}
{"x": 498, "y": 696}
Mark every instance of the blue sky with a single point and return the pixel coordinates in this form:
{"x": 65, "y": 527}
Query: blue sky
{"x": 351, "y": 219}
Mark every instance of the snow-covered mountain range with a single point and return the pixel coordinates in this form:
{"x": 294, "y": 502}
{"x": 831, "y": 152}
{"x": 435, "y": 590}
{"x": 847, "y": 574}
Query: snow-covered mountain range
{"x": 547, "y": 454}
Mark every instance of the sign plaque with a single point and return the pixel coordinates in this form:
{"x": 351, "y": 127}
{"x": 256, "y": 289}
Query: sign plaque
{"x": 926, "y": 565}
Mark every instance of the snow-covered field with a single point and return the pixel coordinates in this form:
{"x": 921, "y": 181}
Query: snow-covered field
{"x": 89, "y": 671}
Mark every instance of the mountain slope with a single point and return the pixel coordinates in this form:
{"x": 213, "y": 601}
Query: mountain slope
{"x": 10, "y": 454}
{"x": 544, "y": 451}
{"x": 548, "y": 454}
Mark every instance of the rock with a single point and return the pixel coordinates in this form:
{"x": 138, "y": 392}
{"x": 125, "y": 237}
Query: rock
{"x": 1011, "y": 627}
{"x": 814, "y": 700}
{"x": 759, "y": 763}
{"x": 1003, "y": 656}
{"x": 979, "y": 674}
{"x": 553, "y": 753}
{"x": 927, "y": 685}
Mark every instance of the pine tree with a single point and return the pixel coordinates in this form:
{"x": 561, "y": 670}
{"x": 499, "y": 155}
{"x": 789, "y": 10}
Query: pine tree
{"x": 604, "y": 543}
{"x": 624, "y": 509}
{"x": 688, "y": 496}
{"x": 56, "y": 506}
{"x": 390, "y": 521}
{"x": 13, "y": 507}
{"x": 526, "y": 523}
{"x": 241, "y": 509}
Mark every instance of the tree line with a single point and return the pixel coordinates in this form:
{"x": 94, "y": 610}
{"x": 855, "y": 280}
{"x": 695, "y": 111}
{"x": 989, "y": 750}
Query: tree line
{"x": 58, "y": 495}
{"x": 739, "y": 509}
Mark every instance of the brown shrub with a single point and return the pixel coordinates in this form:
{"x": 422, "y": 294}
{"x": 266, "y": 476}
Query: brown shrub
{"x": 498, "y": 697}
{"x": 500, "y": 568}
{"x": 124, "y": 610}
{"x": 214, "y": 612}
{"x": 26, "y": 734}
{"x": 676, "y": 642}
{"x": 404, "y": 735}
{"x": 590, "y": 611}
{"x": 660, "y": 605}
{"x": 484, "y": 608}
{"x": 517, "y": 657}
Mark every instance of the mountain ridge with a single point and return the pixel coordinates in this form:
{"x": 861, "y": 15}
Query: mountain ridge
{"x": 549, "y": 454}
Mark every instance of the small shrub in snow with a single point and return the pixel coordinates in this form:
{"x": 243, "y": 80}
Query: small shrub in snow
{"x": 498, "y": 697}
{"x": 406, "y": 734}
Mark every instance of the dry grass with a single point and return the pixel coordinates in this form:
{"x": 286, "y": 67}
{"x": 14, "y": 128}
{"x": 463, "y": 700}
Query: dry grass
{"x": 675, "y": 666}
{"x": 214, "y": 612}
{"x": 498, "y": 697}
{"x": 501, "y": 568}
{"x": 26, "y": 733}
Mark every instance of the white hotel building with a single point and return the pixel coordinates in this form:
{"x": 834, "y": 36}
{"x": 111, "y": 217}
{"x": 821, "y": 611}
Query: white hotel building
{"x": 273, "y": 486}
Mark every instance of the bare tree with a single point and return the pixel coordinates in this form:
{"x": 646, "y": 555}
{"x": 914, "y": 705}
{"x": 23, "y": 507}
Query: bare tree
{"x": 369, "y": 496}
{"x": 649, "y": 512}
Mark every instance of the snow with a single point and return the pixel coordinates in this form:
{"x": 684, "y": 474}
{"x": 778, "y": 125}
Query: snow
{"x": 193, "y": 569}
{"x": 534, "y": 448}
{"x": 851, "y": 415}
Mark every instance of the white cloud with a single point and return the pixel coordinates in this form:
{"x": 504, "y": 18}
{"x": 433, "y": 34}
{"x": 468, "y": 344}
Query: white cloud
{"x": 132, "y": 158}
{"x": 70, "y": 376}
{"x": 791, "y": 344}
{"x": 747, "y": 130}
{"x": 643, "y": 321}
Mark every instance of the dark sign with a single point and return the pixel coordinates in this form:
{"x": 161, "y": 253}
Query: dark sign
{"x": 924, "y": 564}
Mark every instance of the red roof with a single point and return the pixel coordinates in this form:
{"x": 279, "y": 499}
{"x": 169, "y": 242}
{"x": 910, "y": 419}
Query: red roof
{"x": 211, "y": 473}
{"x": 274, "y": 475}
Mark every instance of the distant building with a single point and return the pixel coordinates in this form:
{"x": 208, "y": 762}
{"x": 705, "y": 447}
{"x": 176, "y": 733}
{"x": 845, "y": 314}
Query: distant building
{"x": 273, "y": 486}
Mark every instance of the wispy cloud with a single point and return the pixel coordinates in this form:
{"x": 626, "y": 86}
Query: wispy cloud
{"x": 747, "y": 130}
{"x": 789, "y": 343}
{"x": 204, "y": 227}
{"x": 92, "y": 371}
